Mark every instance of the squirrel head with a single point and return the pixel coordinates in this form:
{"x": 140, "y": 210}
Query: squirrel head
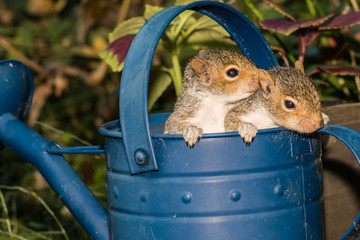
{"x": 225, "y": 72}
{"x": 293, "y": 99}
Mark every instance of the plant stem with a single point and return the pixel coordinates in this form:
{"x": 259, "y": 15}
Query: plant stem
{"x": 253, "y": 9}
{"x": 302, "y": 47}
{"x": 43, "y": 203}
{"x": 177, "y": 76}
{"x": 353, "y": 62}
{"x": 3, "y": 203}
{"x": 290, "y": 55}
{"x": 124, "y": 11}
{"x": 181, "y": 25}
{"x": 355, "y": 5}
{"x": 311, "y": 7}
{"x": 5, "y": 44}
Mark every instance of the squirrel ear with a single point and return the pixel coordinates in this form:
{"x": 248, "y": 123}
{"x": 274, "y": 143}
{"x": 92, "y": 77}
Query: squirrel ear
{"x": 202, "y": 70}
{"x": 299, "y": 66}
{"x": 267, "y": 82}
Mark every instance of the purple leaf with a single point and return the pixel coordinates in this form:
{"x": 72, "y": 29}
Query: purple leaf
{"x": 120, "y": 47}
{"x": 279, "y": 9}
{"x": 342, "y": 21}
{"x": 337, "y": 70}
{"x": 288, "y": 27}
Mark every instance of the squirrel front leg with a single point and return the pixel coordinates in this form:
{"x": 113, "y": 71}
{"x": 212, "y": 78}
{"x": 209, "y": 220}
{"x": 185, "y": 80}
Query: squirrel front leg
{"x": 246, "y": 130}
{"x": 192, "y": 134}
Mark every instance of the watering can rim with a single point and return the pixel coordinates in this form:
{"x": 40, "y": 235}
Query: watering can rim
{"x": 112, "y": 129}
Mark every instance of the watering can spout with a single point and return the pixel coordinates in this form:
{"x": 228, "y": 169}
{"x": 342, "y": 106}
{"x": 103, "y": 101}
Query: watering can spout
{"x": 32, "y": 146}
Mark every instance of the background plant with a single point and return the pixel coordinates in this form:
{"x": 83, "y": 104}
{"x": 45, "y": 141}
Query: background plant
{"x": 184, "y": 37}
{"x": 340, "y": 76}
{"x": 75, "y": 91}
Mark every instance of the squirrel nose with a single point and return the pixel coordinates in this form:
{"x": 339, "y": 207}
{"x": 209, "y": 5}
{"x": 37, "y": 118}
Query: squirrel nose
{"x": 311, "y": 125}
{"x": 317, "y": 124}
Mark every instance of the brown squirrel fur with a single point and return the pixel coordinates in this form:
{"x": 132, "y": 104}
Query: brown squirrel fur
{"x": 288, "y": 99}
{"x": 214, "y": 82}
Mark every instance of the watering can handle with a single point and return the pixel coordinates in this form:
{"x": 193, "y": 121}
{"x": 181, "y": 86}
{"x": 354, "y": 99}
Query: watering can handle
{"x": 351, "y": 138}
{"x": 134, "y": 81}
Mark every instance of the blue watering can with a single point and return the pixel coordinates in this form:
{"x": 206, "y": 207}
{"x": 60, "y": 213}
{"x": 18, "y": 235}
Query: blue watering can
{"x": 160, "y": 189}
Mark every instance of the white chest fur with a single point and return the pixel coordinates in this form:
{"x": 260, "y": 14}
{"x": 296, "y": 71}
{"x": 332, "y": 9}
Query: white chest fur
{"x": 260, "y": 118}
{"x": 211, "y": 115}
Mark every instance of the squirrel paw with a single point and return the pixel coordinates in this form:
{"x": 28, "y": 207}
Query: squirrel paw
{"x": 247, "y": 132}
{"x": 326, "y": 118}
{"x": 192, "y": 134}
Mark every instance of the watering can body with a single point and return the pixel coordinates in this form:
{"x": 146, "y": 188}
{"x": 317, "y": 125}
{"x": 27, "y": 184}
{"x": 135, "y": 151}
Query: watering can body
{"x": 160, "y": 189}
{"x": 221, "y": 189}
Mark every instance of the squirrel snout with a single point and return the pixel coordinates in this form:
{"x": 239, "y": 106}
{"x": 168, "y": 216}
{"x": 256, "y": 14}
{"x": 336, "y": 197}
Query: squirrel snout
{"x": 311, "y": 125}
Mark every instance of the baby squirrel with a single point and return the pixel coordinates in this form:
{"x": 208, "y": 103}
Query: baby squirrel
{"x": 214, "y": 82}
{"x": 286, "y": 99}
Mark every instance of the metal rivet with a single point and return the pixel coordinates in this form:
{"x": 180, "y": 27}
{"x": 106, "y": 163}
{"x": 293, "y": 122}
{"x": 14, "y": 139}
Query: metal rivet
{"x": 143, "y": 197}
{"x": 141, "y": 157}
{"x": 116, "y": 192}
{"x": 186, "y": 197}
{"x": 235, "y": 196}
{"x": 279, "y": 190}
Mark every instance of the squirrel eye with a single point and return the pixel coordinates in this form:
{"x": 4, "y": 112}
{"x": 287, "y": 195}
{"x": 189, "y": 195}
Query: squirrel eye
{"x": 232, "y": 72}
{"x": 289, "y": 104}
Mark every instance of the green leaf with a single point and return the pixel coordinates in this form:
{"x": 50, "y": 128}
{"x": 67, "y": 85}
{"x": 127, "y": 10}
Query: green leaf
{"x": 204, "y": 22}
{"x": 279, "y": 9}
{"x": 158, "y": 84}
{"x": 130, "y": 26}
{"x": 116, "y": 52}
{"x": 111, "y": 60}
{"x": 120, "y": 40}
{"x": 204, "y": 34}
{"x": 151, "y": 11}
{"x": 287, "y": 27}
{"x": 184, "y": 21}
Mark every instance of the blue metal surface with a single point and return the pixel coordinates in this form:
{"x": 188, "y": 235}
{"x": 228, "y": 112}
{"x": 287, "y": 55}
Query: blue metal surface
{"x": 134, "y": 80}
{"x": 16, "y": 89}
{"x": 351, "y": 138}
{"x": 56, "y": 148}
{"x": 221, "y": 189}
{"x": 58, "y": 173}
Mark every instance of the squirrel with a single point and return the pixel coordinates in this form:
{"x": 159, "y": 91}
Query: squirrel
{"x": 287, "y": 99}
{"x": 214, "y": 82}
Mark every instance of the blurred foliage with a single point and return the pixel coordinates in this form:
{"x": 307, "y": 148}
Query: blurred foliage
{"x": 184, "y": 37}
{"x": 307, "y": 31}
{"x": 332, "y": 48}
{"x": 76, "y": 91}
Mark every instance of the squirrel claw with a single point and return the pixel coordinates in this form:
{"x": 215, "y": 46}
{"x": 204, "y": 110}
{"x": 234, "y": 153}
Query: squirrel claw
{"x": 192, "y": 134}
{"x": 247, "y": 132}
